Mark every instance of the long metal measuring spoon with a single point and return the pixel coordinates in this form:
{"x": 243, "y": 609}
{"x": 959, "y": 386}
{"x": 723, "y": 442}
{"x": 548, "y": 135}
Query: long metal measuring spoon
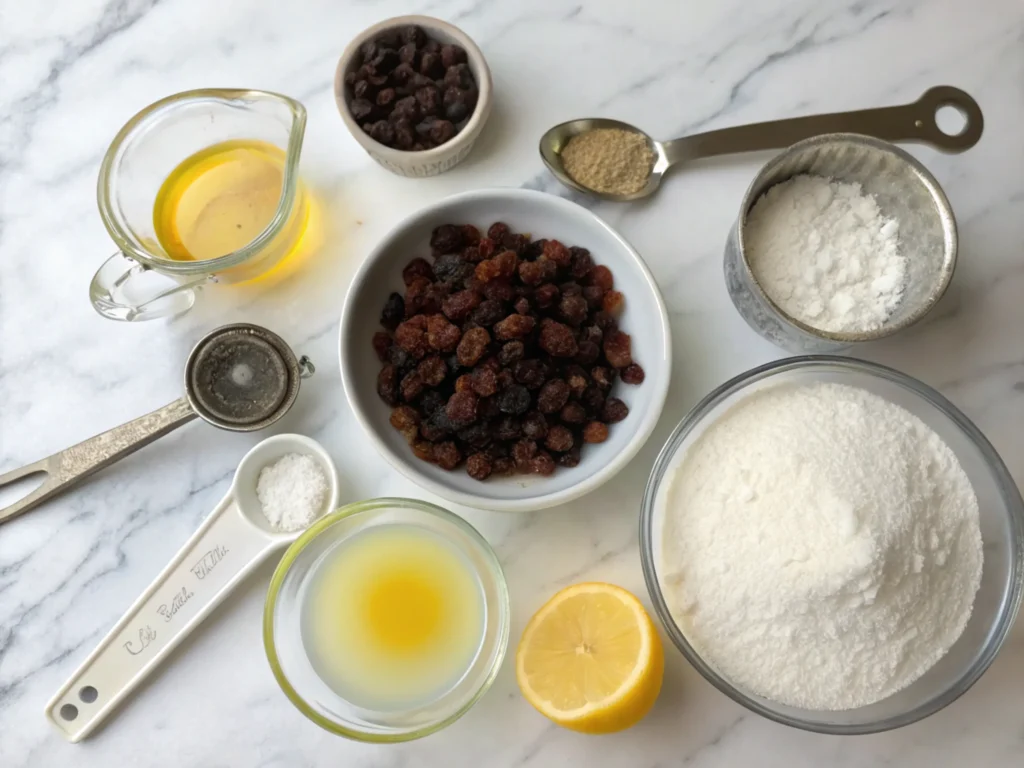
{"x": 239, "y": 377}
{"x": 228, "y": 546}
{"x": 909, "y": 122}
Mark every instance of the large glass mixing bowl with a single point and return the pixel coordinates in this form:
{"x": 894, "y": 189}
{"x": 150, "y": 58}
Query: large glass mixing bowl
{"x": 1002, "y": 532}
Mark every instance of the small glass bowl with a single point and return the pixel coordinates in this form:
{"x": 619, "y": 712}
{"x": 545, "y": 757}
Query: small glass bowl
{"x": 282, "y": 624}
{"x": 1001, "y": 513}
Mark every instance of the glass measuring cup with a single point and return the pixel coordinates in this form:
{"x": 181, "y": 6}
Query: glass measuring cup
{"x": 227, "y": 547}
{"x": 238, "y": 377}
{"x": 141, "y": 281}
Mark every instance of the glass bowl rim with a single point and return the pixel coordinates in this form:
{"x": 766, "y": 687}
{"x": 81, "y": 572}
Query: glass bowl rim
{"x": 503, "y": 610}
{"x": 1008, "y": 490}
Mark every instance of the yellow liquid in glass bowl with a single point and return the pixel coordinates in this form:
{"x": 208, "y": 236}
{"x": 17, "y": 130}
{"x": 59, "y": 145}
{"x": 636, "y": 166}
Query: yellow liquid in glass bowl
{"x": 393, "y": 617}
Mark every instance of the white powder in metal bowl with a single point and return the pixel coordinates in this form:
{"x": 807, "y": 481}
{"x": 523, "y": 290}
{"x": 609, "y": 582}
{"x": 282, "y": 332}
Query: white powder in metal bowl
{"x": 821, "y": 546}
{"x": 825, "y": 254}
{"x": 292, "y": 492}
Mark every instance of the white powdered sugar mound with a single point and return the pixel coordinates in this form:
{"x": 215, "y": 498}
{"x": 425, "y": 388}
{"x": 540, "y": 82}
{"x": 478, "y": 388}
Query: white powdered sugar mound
{"x": 825, "y": 254}
{"x": 821, "y": 546}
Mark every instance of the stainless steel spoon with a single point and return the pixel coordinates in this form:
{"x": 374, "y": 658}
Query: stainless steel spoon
{"x": 238, "y": 377}
{"x": 909, "y": 122}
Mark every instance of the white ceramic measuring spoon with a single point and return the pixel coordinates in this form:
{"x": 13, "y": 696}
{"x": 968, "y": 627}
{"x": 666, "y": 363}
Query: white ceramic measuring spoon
{"x": 230, "y": 543}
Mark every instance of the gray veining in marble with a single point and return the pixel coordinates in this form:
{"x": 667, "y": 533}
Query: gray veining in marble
{"x": 72, "y": 73}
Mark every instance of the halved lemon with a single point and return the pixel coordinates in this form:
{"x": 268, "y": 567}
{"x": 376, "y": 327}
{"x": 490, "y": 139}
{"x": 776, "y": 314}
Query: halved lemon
{"x": 590, "y": 659}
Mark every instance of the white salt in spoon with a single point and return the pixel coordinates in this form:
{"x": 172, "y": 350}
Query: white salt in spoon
{"x": 230, "y": 543}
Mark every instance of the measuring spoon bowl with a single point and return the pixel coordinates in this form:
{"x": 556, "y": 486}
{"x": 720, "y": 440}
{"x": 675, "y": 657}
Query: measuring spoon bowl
{"x": 915, "y": 122}
{"x": 228, "y": 546}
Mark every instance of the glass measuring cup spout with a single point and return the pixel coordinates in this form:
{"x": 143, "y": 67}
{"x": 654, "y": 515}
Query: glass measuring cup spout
{"x": 142, "y": 280}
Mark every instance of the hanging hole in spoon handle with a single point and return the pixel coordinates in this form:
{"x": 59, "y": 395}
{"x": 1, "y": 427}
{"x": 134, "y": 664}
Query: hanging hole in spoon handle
{"x": 925, "y": 112}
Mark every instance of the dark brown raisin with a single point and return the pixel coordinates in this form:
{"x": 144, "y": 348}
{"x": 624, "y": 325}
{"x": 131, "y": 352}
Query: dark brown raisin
{"x": 505, "y": 378}
{"x": 573, "y": 413}
{"x": 382, "y": 345}
{"x": 576, "y": 377}
{"x": 601, "y": 276}
{"x": 479, "y": 466}
{"x": 408, "y": 53}
{"x": 488, "y": 409}
{"x": 559, "y": 439}
{"x": 497, "y": 231}
{"x": 535, "y": 426}
{"x": 516, "y": 243}
{"x": 473, "y": 346}
{"x": 431, "y": 401}
{"x": 436, "y": 427}
{"x": 452, "y": 268}
{"x": 498, "y": 290}
{"x": 387, "y": 384}
{"x": 441, "y": 334}
{"x": 552, "y": 396}
{"x": 447, "y": 455}
{"x": 531, "y": 272}
{"x": 514, "y": 327}
{"x": 588, "y": 353}
{"x": 605, "y": 321}
{"x": 470, "y": 234}
{"x": 429, "y": 99}
{"x": 572, "y": 288}
{"x": 614, "y": 410}
{"x": 382, "y": 131}
{"x": 618, "y": 349}
{"x": 362, "y": 110}
{"x": 401, "y": 359}
{"x": 423, "y": 450}
{"x": 432, "y": 370}
{"x": 595, "y": 432}
{"x": 591, "y": 333}
{"x": 458, "y": 306}
{"x": 581, "y": 262}
{"x": 612, "y": 302}
{"x": 486, "y": 247}
{"x": 522, "y": 452}
{"x": 503, "y": 466}
{"x": 593, "y": 400}
{"x": 490, "y": 362}
{"x": 511, "y": 352}
{"x": 417, "y": 268}
{"x": 393, "y": 312}
{"x": 488, "y": 313}
{"x": 557, "y": 339}
{"x": 447, "y": 238}
{"x": 477, "y": 435}
{"x": 452, "y": 55}
{"x": 412, "y": 338}
{"x": 442, "y": 131}
{"x": 602, "y": 377}
{"x": 430, "y": 65}
{"x": 546, "y": 295}
{"x": 542, "y": 464}
{"x": 461, "y": 409}
{"x": 384, "y": 99}
{"x": 633, "y": 374}
{"x": 535, "y": 249}
{"x": 484, "y": 382}
{"x": 416, "y": 296}
{"x": 570, "y": 458}
{"x": 522, "y": 305}
{"x": 412, "y": 386}
{"x": 514, "y": 400}
{"x": 594, "y": 296}
{"x": 500, "y": 267}
{"x": 404, "y": 72}
{"x": 406, "y": 420}
{"x": 555, "y": 251}
{"x": 464, "y": 383}
{"x": 573, "y": 309}
{"x": 531, "y": 373}
{"x": 508, "y": 429}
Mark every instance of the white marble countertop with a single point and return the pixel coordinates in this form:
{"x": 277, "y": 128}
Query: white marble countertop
{"x": 72, "y": 73}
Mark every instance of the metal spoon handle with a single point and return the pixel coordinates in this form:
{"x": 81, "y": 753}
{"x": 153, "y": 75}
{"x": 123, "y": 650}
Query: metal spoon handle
{"x": 908, "y": 122}
{"x": 73, "y": 464}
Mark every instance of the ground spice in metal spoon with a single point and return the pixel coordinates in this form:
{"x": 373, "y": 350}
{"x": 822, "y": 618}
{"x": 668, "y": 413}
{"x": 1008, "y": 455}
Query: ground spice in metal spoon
{"x": 608, "y": 160}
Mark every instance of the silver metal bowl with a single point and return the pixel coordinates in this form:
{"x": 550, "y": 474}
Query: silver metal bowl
{"x": 904, "y": 189}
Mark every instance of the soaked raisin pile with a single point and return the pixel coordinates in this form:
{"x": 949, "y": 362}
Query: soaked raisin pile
{"x": 503, "y": 353}
{"x": 409, "y": 91}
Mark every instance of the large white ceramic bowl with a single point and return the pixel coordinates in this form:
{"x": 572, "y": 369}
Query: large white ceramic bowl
{"x": 542, "y": 215}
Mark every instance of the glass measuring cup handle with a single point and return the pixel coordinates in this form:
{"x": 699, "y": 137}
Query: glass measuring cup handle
{"x": 225, "y": 549}
{"x": 64, "y": 469}
{"x": 123, "y": 289}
